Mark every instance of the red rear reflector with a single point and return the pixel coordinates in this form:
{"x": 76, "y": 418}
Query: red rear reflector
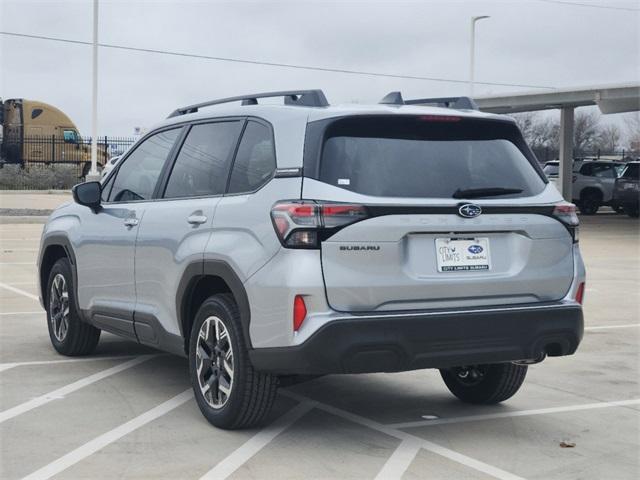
{"x": 299, "y": 312}
{"x": 580, "y": 293}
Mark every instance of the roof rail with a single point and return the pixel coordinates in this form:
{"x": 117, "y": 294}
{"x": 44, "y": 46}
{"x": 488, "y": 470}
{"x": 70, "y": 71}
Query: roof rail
{"x": 459, "y": 103}
{"x": 305, "y": 98}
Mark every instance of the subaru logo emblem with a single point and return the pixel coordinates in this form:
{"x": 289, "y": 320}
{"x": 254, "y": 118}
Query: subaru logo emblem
{"x": 469, "y": 210}
{"x": 475, "y": 249}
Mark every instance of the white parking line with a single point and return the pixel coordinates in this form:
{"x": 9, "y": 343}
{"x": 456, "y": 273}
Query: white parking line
{"x": 427, "y": 445}
{"x": 517, "y": 413}
{"x": 398, "y": 463}
{"x": 67, "y": 389}
{"x": 7, "y": 366}
{"x": 18, "y": 263}
{"x": 109, "y": 437}
{"x": 18, "y": 290}
{"x": 605, "y": 327}
{"x": 256, "y": 443}
{"x": 10, "y": 249}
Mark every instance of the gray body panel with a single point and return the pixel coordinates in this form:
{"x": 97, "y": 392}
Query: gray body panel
{"x": 166, "y": 245}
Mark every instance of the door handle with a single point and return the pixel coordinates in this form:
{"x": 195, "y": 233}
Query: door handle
{"x": 131, "y": 222}
{"x": 196, "y": 219}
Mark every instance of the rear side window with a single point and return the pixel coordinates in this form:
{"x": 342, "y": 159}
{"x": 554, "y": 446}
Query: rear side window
{"x": 255, "y": 161}
{"x": 426, "y": 156}
{"x": 202, "y": 166}
{"x": 137, "y": 176}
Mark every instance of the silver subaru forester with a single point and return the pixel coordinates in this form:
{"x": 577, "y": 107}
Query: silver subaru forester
{"x": 270, "y": 243}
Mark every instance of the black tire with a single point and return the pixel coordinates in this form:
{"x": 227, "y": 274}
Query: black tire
{"x": 493, "y": 383}
{"x": 589, "y": 203}
{"x": 78, "y": 338}
{"x": 251, "y": 393}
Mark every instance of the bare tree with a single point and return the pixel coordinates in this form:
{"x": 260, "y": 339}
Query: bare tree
{"x": 632, "y": 122}
{"x": 585, "y": 131}
{"x": 609, "y": 138}
{"x": 538, "y": 131}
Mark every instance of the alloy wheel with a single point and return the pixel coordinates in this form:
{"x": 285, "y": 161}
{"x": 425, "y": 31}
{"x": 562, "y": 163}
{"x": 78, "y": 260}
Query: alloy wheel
{"x": 59, "y": 307}
{"x": 471, "y": 375}
{"x": 214, "y": 362}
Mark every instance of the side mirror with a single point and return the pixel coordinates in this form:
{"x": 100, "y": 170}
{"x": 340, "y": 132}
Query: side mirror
{"x": 88, "y": 194}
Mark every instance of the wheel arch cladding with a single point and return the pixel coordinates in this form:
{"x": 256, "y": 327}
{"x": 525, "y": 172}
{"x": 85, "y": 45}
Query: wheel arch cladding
{"x": 53, "y": 249}
{"x": 201, "y": 280}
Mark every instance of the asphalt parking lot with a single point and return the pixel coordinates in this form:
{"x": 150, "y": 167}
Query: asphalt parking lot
{"x": 128, "y": 411}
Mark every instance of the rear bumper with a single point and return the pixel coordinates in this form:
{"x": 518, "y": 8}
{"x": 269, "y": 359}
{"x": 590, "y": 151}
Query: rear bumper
{"x": 436, "y": 339}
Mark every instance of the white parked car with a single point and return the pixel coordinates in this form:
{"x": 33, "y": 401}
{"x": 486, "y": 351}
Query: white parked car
{"x": 593, "y": 182}
{"x": 110, "y": 165}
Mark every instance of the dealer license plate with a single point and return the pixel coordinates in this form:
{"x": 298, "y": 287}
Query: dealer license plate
{"x": 462, "y": 254}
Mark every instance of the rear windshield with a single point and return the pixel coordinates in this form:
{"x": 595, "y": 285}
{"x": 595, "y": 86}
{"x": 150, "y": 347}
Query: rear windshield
{"x": 426, "y": 156}
{"x": 632, "y": 171}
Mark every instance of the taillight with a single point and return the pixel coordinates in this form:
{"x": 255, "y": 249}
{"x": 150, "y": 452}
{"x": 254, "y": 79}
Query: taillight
{"x": 566, "y": 213}
{"x": 299, "y": 312}
{"x": 580, "y": 293}
{"x": 304, "y": 224}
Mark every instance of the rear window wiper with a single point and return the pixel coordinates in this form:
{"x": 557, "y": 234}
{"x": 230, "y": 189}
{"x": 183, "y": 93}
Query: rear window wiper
{"x": 484, "y": 192}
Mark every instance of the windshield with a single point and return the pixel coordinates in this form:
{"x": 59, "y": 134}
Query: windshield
{"x": 420, "y": 157}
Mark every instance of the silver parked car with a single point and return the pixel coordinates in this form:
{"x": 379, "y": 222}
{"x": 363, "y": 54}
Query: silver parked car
{"x": 270, "y": 241}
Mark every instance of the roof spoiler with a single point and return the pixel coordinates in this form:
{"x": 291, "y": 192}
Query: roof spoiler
{"x": 304, "y": 98}
{"x": 458, "y": 103}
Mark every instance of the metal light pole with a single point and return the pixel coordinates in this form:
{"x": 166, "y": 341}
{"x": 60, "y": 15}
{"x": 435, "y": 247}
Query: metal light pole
{"x": 472, "y": 59}
{"x": 94, "y": 96}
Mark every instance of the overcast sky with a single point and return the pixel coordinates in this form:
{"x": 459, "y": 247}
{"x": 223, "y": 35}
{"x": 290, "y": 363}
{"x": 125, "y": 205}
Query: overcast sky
{"x": 532, "y": 42}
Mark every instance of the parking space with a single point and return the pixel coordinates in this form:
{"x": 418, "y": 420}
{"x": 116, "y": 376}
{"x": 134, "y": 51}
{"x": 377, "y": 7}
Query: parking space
{"x": 128, "y": 412}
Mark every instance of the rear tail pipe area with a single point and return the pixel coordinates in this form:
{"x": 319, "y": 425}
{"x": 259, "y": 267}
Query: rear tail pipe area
{"x": 552, "y": 348}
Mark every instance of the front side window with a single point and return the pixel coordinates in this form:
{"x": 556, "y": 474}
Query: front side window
{"x": 70, "y": 136}
{"x": 137, "y": 176}
{"x": 106, "y": 189}
{"x": 202, "y": 166}
{"x": 255, "y": 161}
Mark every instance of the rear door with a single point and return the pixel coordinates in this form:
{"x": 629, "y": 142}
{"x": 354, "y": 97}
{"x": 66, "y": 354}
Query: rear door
{"x": 177, "y": 226}
{"x": 458, "y": 215}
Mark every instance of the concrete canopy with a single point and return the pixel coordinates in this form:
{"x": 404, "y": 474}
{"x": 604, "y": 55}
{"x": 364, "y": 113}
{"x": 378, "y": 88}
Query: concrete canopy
{"x": 609, "y": 98}
{"x": 615, "y": 98}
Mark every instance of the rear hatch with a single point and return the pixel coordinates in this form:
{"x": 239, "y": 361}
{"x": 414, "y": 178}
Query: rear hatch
{"x": 455, "y": 214}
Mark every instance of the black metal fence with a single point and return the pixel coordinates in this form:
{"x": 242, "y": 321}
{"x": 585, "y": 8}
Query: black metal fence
{"x": 548, "y": 154}
{"x": 53, "y": 162}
